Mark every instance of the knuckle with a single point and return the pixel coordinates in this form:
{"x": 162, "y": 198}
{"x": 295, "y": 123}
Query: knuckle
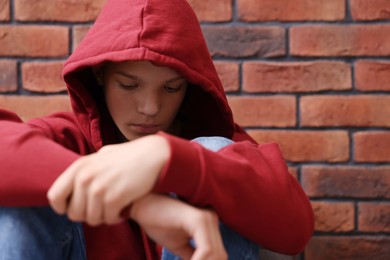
{"x": 97, "y": 190}
{"x": 111, "y": 199}
{"x": 84, "y": 179}
{"x": 80, "y": 163}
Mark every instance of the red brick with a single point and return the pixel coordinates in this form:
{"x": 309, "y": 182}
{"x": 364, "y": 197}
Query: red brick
{"x": 8, "y": 76}
{"x": 278, "y": 111}
{"x": 330, "y": 110}
{"x": 372, "y": 146}
{"x": 229, "y": 74}
{"x": 333, "y": 216}
{"x": 254, "y": 41}
{"x": 291, "y": 10}
{"x": 34, "y": 41}
{"x": 372, "y": 75}
{"x": 346, "y": 181}
{"x": 368, "y": 10}
{"x": 59, "y": 10}
{"x": 212, "y": 10}
{"x": 293, "y": 171}
{"x": 340, "y": 40}
{"x": 348, "y": 247}
{"x": 78, "y": 34}
{"x": 43, "y": 77}
{"x": 305, "y": 146}
{"x": 296, "y": 76}
{"x": 374, "y": 216}
{"x": 28, "y": 107}
{"x": 4, "y": 10}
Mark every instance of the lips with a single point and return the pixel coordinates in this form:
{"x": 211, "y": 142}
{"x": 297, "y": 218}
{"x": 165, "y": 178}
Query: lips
{"x": 146, "y": 128}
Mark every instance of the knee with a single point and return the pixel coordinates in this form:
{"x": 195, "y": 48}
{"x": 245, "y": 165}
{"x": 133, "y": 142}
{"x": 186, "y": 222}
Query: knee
{"x": 37, "y": 233}
{"x": 213, "y": 143}
{"x": 30, "y": 220}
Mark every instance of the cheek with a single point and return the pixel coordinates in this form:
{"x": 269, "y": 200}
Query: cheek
{"x": 118, "y": 105}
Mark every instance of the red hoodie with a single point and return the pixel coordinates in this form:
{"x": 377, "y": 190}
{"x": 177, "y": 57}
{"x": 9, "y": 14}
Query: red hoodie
{"x": 248, "y": 185}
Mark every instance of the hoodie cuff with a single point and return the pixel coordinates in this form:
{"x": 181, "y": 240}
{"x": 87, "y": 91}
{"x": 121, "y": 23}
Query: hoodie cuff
{"x": 181, "y": 174}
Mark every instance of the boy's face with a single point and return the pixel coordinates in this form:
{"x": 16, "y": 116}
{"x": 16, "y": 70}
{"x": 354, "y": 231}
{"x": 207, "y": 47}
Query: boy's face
{"x": 142, "y": 98}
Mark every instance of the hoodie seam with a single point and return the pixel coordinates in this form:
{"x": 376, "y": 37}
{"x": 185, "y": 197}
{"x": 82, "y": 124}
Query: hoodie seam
{"x": 142, "y": 28}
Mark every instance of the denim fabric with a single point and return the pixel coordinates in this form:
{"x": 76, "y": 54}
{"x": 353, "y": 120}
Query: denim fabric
{"x": 39, "y": 233}
{"x": 213, "y": 143}
{"x": 236, "y": 246}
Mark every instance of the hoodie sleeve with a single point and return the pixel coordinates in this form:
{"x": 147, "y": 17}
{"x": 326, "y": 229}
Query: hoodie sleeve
{"x": 31, "y": 159}
{"x": 249, "y": 187}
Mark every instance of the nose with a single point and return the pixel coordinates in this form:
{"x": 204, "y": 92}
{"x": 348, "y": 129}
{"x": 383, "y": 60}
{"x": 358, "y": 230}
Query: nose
{"x": 149, "y": 104}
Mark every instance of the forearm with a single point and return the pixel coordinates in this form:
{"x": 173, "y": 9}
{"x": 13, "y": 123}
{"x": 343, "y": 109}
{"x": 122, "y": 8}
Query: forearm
{"x": 30, "y": 162}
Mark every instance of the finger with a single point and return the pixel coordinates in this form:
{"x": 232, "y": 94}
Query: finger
{"x": 219, "y": 251}
{"x": 114, "y": 198}
{"x": 60, "y": 191}
{"x": 77, "y": 205}
{"x": 209, "y": 251}
{"x": 112, "y": 208}
{"x": 204, "y": 248}
{"x": 216, "y": 239}
{"x": 94, "y": 208}
{"x": 208, "y": 240}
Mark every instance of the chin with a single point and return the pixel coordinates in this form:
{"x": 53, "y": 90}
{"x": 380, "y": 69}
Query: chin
{"x": 133, "y": 137}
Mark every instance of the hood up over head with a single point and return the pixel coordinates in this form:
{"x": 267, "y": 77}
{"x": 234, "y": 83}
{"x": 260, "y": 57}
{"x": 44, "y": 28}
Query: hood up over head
{"x": 165, "y": 32}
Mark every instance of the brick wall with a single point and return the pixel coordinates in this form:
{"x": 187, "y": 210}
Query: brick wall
{"x": 311, "y": 75}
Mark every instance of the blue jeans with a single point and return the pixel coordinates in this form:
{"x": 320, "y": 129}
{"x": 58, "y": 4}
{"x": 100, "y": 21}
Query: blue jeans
{"x": 39, "y": 233}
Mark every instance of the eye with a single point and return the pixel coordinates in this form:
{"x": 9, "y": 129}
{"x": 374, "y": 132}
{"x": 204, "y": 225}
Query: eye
{"x": 127, "y": 86}
{"x": 172, "y": 89}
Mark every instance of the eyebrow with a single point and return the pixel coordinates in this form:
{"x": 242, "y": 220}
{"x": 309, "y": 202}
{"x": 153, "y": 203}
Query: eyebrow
{"x": 127, "y": 75}
{"x": 134, "y": 77}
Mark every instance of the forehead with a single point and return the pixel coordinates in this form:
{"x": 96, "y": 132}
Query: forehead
{"x": 142, "y": 69}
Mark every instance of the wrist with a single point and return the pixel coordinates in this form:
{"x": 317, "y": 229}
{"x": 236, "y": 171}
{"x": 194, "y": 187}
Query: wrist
{"x": 163, "y": 148}
{"x": 155, "y": 152}
{"x": 161, "y": 152}
{"x": 143, "y": 206}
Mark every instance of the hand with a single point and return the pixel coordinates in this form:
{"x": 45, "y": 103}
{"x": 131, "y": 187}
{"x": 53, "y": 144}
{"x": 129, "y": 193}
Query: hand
{"x": 172, "y": 223}
{"x": 96, "y": 187}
